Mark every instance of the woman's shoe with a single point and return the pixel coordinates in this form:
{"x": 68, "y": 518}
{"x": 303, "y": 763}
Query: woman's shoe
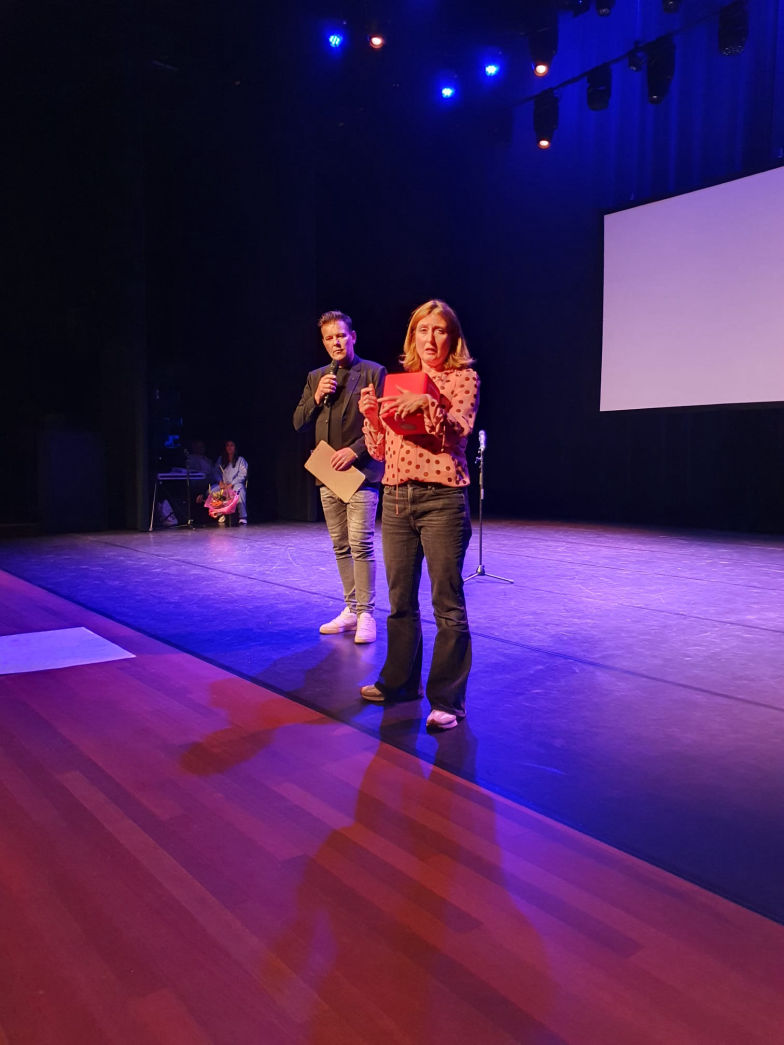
{"x": 376, "y": 696}
{"x": 372, "y": 693}
{"x": 441, "y": 720}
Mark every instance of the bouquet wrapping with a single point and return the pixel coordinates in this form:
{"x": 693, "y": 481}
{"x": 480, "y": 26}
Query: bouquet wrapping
{"x": 221, "y": 500}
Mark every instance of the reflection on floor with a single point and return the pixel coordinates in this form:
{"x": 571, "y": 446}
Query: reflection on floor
{"x": 187, "y": 858}
{"x": 629, "y": 683}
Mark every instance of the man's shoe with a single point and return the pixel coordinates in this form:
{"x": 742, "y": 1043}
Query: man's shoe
{"x": 441, "y": 720}
{"x": 372, "y": 693}
{"x": 345, "y": 621}
{"x": 243, "y": 522}
{"x": 366, "y": 628}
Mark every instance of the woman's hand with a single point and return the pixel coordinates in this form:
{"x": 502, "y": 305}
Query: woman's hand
{"x": 368, "y": 404}
{"x": 403, "y": 404}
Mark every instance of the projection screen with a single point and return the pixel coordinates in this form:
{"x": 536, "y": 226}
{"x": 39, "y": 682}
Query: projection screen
{"x": 694, "y": 298}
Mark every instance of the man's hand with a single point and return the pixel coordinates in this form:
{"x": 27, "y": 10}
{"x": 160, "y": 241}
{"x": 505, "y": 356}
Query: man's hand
{"x": 326, "y": 386}
{"x": 343, "y": 459}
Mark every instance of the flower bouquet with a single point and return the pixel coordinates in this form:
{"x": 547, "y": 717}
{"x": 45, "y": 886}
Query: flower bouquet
{"x": 222, "y": 500}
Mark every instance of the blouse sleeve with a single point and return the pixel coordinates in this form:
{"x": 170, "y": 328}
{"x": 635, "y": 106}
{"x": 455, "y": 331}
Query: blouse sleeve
{"x": 454, "y": 419}
{"x": 375, "y": 440}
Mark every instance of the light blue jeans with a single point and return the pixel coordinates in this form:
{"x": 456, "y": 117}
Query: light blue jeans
{"x": 351, "y": 526}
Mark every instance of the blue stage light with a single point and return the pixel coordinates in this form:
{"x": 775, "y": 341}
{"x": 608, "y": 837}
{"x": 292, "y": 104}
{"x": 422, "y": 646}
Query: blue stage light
{"x": 335, "y": 40}
{"x": 492, "y": 69}
{"x": 447, "y": 83}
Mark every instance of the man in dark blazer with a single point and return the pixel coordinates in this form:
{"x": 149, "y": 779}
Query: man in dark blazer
{"x": 330, "y": 406}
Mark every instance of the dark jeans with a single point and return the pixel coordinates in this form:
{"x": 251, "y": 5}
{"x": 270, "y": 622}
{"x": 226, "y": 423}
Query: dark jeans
{"x": 430, "y": 521}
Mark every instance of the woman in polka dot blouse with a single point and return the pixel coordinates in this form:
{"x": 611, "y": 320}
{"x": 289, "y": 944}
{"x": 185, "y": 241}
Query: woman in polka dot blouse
{"x": 425, "y": 512}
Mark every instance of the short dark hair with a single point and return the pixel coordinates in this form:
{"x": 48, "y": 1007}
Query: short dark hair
{"x": 335, "y": 317}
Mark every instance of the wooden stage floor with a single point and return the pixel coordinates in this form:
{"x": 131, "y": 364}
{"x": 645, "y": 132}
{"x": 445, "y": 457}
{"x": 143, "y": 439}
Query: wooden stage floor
{"x": 188, "y": 857}
{"x": 628, "y": 684}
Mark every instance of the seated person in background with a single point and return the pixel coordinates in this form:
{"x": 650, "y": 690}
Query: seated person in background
{"x": 196, "y": 459}
{"x": 231, "y": 471}
{"x": 166, "y": 515}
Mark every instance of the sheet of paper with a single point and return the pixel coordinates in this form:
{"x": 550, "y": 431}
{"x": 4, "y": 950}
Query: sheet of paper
{"x": 63, "y": 648}
{"x": 343, "y": 484}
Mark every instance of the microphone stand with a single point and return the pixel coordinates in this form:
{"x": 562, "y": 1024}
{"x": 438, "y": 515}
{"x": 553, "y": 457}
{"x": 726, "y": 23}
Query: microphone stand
{"x": 189, "y": 523}
{"x": 480, "y": 571}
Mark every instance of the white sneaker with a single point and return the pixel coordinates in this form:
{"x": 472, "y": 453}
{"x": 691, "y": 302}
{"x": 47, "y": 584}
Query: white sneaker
{"x": 243, "y": 522}
{"x": 366, "y": 628}
{"x": 441, "y": 720}
{"x": 346, "y": 620}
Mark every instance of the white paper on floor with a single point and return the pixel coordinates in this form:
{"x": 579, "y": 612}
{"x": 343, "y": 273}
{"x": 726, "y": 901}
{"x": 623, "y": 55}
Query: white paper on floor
{"x": 64, "y": 648}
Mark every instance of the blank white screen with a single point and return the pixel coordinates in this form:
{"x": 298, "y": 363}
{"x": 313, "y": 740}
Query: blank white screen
{"x": 694, "y": 298}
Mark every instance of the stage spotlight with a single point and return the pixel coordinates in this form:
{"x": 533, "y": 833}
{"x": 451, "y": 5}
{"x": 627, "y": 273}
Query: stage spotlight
{"x": 545, "y": 118}
{"x": 376, "y": 41}
{"x": 671, "y": 7}
{"x": 660, "y": 67}
{"x": 493, "y": 64}
{"x": 335, "y": 39}
{"x": 447, "y": 87}
{"x": 733, "y": 28}
{"x": 599, "y": 87}
{"x": 543, "y": 44}
{"x": 604, "y": 7}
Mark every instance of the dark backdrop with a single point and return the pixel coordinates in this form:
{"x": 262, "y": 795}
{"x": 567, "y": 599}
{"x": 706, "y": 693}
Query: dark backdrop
{"x": 190, "y": 185}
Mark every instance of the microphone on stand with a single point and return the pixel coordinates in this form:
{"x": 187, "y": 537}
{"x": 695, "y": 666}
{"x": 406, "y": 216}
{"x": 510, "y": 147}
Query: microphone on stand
{"x": 334, "y": 366}
{"x": 480, "y": 571}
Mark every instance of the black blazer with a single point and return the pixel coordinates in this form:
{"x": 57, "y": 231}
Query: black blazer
{"x": 309, "y": 415}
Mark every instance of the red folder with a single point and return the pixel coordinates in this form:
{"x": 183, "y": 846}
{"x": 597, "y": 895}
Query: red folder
{"x": 420, "y": 384}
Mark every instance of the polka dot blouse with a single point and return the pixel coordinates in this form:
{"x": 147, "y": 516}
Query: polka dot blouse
{"x": 438, "y": 456}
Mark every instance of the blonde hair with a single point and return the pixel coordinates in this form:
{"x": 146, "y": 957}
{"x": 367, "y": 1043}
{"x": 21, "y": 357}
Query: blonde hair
{"x": 459, "y": 356}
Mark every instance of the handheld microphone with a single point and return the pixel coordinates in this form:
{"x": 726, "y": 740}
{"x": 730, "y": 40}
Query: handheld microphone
{"x": 482, "y": 439}
{"x": 334, "y": 366}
